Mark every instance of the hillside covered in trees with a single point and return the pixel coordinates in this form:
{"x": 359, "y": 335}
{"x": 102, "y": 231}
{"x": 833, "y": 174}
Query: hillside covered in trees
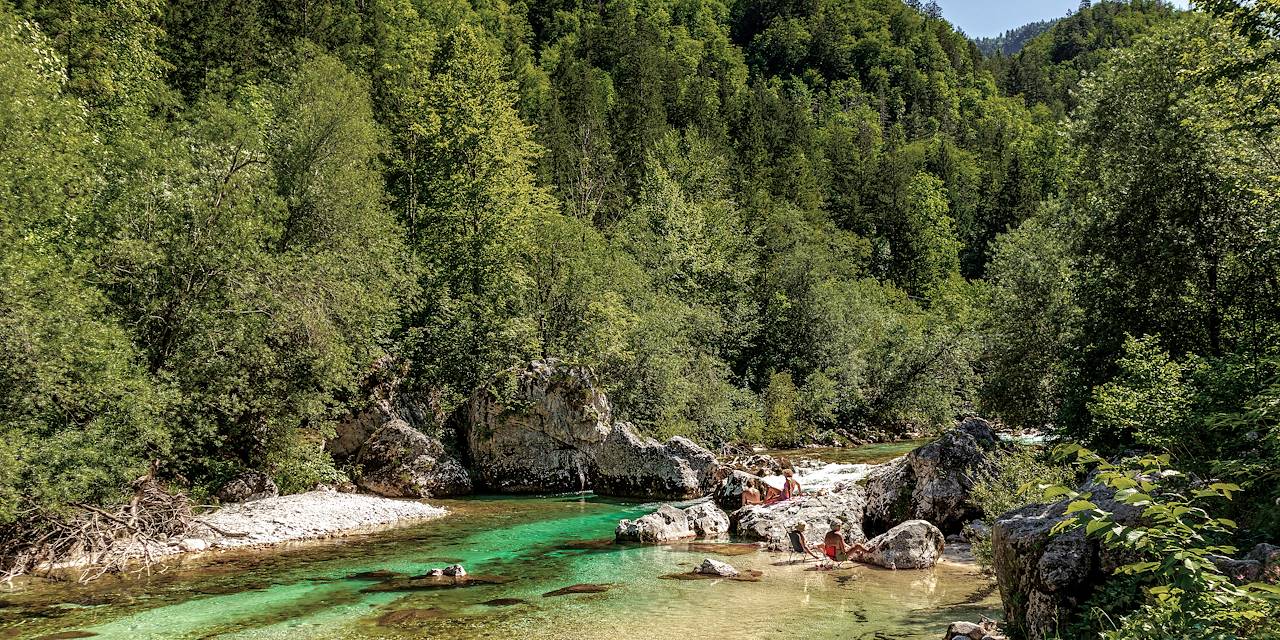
{"x": 758, "y": 221}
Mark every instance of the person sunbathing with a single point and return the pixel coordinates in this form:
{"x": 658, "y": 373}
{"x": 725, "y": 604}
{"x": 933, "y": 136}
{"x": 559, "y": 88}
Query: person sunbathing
{"x": 835, "y": 548}
{"x": 751, "y": 495}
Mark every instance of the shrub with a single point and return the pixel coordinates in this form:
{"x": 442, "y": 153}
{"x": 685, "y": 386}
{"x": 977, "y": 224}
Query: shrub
{"x": 1172, "y": 546}
{"x": 1008, "y": 487}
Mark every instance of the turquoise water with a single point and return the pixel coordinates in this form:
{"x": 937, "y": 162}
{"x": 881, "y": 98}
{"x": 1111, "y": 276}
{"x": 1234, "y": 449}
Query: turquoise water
{"x": 532, "y": 546}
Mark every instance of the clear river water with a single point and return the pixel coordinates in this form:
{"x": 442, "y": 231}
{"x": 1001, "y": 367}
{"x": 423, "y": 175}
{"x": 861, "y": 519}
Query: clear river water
{"x": 522, "y": 548}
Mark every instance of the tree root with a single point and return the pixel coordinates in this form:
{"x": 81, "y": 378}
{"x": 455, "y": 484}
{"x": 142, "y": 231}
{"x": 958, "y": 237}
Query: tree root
{"x": 97, "y": 540}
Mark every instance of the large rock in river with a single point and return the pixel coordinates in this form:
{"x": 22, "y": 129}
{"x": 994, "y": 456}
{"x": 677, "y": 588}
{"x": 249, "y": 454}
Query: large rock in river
{"x": 914, "y": 544}
{"x": 548, "y": 427}
{"x": 771, "y": 523}
{"x": 1044, "y": 579}
{"x": 667, "y": 524}
{"x": 933, "y": 482}
{"x": 707, "y": 520}
{"x": 398, "y": 461}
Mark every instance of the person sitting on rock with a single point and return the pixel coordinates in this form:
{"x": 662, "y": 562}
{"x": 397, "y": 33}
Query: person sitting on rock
{"x": 751, "y": 495}
{"x": 775, "y": 489}
{"x": 798, "y": 542}
{"x": 791, "y": 488}
{"x": 835, "y": 548}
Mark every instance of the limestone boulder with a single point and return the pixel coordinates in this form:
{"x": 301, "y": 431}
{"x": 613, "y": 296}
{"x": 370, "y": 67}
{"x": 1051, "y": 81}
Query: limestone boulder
{"x": 247, "y": 487}
{"x": 915, "y": 544}
{"x": 933, "y": 482}
{"x": 548, "y": 428}
{"x": 398, "y": 461}
{"x": 387, "y": 399}
{"x": 1044, "y": 578}
{"x": 707, "y": 520}
{"x": 772, "y": 523}
{"x": 667, "y": 524}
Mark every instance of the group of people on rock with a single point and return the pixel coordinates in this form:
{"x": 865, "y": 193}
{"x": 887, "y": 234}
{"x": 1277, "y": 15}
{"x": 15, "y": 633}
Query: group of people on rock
{"x": 785, "y": 487}
{"x": 776, "y": 489}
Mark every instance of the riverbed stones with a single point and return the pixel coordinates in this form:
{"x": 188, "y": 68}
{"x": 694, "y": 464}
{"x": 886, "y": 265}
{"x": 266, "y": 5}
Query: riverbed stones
{"x": 915, "y": 544}
{"x": 771, "y": 523}
{"x": 548, "y": 427}
{"x": 933, "y": 482}
{"x": 1045, "y": 578}
{"x": 247, "y": 487}
{"x": 707, "y": 520}
{"x": 398, "y": 461}
{"x": 667, "y": 524}
{"x": 578, "y": 589}
{"x": 713, "y": 567}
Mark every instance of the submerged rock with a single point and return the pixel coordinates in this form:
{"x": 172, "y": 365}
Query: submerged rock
{"x": 773, "y": 522}
{"x": 710, "y": 567}
{"x": 915, "y": 544}
{"x": 548, "y": 427}
{"x": 664, "y": 525}
{"x": 399, "y": 461}
{"x": 432, "y": 583}
{"x": 578, "y": 588}
{"x": 707, "y": 520}
{"x": 504, "y": 602}
{"x": 933, "y": 482}
{"x": 247, "y": 487}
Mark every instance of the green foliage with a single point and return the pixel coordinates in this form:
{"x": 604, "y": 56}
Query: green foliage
{"x": 1148, "y": 402}
{"x": 1007, "y": 486}
{"x": 1172, "y": 545}
{"x": 1031, "y": 325}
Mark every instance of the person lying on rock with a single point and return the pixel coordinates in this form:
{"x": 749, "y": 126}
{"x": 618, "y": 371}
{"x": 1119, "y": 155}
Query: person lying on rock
{"x": 834, "y": 546}
{"x": 781, "y": 488}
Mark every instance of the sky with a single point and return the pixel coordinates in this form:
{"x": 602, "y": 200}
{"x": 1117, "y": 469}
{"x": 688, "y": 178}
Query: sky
{"x": 979, "y": 18}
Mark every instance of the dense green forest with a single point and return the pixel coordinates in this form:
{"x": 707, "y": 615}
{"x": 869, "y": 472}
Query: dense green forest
{"x": 759, "y": 221}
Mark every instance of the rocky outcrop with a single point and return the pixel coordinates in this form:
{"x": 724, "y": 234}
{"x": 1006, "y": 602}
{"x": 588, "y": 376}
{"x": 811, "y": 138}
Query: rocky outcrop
{"x": 388, "y": 400}
{"x": 707, "y": 520}
{"x": 933, "y": 482}
{"x": 247, "y": 487}
{"x": 667, "y": 524}
{"x": 398, "y": 461}
{"x": 548, "y": 428}
{"x": 1043, "y": 578}
{"x": 914, "y": 544}
{"x": 1261, "y": 564}
{"x": 772, "y": 523}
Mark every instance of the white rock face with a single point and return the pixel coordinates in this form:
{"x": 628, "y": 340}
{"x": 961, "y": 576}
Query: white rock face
{"x": 399, "y": 461}
{"x": 667, "y": 524}
{"x": 772, "y": 523}
{"x": 707, "y": 520}
{"x": 716, "y": 568}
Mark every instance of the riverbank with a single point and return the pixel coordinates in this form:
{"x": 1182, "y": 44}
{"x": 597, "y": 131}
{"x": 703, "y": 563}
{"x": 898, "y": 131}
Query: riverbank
{"x": 315, "y": 515}
{"x": 266, "y": 523}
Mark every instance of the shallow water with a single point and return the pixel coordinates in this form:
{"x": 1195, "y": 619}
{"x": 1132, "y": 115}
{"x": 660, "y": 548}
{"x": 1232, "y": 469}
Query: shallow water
{"x": 540, "y": 545}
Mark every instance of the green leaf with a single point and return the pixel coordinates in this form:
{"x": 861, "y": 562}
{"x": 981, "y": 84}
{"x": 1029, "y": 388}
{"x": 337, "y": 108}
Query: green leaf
{"x": 1078, "y": 506}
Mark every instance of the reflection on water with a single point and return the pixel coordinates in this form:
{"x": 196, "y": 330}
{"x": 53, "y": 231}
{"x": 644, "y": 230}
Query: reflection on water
{"x": 531, "y": 547}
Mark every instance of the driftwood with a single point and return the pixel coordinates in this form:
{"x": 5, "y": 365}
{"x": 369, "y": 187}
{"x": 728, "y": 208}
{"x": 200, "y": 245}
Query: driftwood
{"x": 97, "y": 540}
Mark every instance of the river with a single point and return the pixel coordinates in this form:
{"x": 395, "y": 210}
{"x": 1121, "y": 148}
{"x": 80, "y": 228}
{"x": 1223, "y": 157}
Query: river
{"x": 535, "y": 545}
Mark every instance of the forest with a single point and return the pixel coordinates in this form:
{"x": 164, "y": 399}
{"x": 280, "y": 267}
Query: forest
{"x": 776, "y": 222}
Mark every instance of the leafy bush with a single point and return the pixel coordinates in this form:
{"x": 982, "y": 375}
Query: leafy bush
{"x": 1008, "y": 487}
{"x": 1173, "y": 547}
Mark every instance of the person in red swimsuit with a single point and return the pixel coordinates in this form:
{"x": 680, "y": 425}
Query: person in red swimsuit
{"x": 834, "y": 546}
